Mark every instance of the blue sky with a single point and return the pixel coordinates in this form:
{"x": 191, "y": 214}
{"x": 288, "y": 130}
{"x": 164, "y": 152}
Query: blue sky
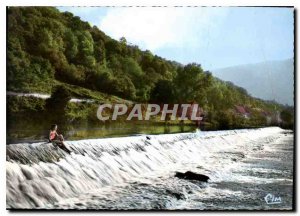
{"x": 214, "y": 37}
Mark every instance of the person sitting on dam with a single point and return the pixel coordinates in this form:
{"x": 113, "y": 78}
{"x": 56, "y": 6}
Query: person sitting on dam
{"x": 57, "y": 139}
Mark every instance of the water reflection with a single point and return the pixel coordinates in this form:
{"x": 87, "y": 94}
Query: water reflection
{"x": 28, "y": 131}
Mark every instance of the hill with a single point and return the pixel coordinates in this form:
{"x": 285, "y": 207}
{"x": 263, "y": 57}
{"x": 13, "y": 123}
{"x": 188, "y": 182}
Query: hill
{"x": 272, "y": 80}
{"x": 47, "y": 48}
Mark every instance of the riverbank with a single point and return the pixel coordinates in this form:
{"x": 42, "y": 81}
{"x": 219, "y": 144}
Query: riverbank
{"x": 79, "y": 120}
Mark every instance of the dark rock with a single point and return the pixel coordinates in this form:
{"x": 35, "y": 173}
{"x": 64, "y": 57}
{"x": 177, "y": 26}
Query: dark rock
{"x": 178, "y": 196}
{"x": 192, "y": 176}
{"x": 148, "y": 138}
{"x": 175, "y": 194}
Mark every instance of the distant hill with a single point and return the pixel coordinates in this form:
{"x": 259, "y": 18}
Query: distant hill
{"x": 267, "y": 80}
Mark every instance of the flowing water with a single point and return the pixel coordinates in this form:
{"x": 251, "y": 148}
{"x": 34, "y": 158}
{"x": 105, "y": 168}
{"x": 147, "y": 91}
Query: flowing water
{"x": 136, "y": 173}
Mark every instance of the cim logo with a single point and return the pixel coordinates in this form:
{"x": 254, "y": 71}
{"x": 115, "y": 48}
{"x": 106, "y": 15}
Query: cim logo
{"x": 272, "y": 199}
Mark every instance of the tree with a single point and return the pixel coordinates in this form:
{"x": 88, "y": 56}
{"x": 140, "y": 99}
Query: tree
{"x": 123, "y": 87}
{"x": 131, "y": 68}
{"x": 24, "y": 71}
{"x": 287, "y": 115}
{"x": 58, "y": 101}
{"x": 73, "y": 74}
{"x": 151, "y": 77}
{"x": 113, "y": 47}
{"x": 86, "y": 49}
{"x": 224, "y": 119}
{"x": 99, "y": 79}
{"x": 99, "y": 52}
{"x": 71, "y": 44}
{"x": 146, "y": 60}
{"x": 163, "y": 92}
{"x": 189, "y": 82}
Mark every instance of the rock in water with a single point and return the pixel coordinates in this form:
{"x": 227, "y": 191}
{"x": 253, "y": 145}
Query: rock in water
{"x": 192, "y": 176}
{"x": 175, "y": 194}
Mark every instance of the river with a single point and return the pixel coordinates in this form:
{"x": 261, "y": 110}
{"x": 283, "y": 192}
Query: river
{"x": 249, "y": 169}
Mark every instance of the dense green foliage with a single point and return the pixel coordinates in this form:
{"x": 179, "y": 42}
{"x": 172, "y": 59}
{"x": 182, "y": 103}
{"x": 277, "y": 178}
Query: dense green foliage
{"x": 46, "y": 47}
{"x": 58, "y": 101}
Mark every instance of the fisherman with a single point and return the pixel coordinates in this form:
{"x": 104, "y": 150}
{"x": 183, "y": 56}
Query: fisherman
{"x": 57, "y": 139}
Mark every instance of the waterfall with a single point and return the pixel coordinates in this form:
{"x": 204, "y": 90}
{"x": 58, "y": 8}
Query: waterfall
{"x": 39, "y": 175}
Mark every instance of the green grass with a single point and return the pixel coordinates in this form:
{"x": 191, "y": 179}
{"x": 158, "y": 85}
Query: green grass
{"x": 83, "y": 93}
{"x": 24, "y": 104}
{"x": 76, "y": 91}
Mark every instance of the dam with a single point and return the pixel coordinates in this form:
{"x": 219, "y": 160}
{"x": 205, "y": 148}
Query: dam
{"x": 137, "y": 172}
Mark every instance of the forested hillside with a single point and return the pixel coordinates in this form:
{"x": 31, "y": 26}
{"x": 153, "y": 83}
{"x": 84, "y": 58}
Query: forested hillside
{"x": 46, "y": 48}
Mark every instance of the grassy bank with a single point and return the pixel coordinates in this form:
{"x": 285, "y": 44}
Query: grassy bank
{"x": 74, "y": 113}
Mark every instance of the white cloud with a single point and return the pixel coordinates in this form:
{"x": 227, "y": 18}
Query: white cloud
{"x": 154, "y": 28}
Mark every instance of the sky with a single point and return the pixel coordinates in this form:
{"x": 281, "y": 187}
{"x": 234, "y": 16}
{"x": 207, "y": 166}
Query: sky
{"x": 215, "y": 37}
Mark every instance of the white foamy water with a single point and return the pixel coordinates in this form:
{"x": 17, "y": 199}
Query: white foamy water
{"x": 137, "y": 173}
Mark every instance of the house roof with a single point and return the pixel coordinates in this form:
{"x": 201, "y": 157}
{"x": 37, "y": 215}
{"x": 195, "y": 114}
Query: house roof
{"x": 241, "y": 109}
